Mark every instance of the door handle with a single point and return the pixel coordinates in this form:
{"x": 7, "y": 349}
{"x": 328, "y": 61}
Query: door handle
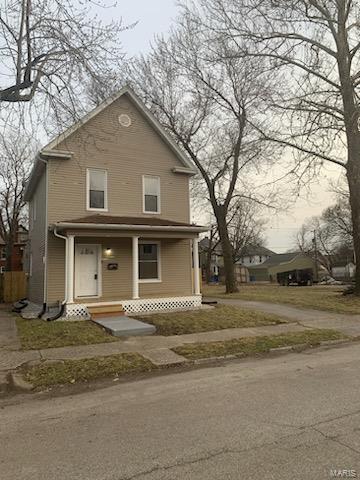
{"x": 96, "y": 276}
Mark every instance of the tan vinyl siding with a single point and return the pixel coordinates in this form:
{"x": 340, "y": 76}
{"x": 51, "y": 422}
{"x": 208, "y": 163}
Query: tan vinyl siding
{"x": 56, "y": 269}
{"x": 37, "y": 239}
{"x": 127, "y": 154}
{"x": 117, "y": 284}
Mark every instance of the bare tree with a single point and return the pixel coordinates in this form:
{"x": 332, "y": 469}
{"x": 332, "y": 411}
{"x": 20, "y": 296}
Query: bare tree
{"x": 15, "y": 165}
{"x": 338, "y": 219}
{"x": 330, "y": 233}
{"x": 246, "y": 227}
{"x": 209, "y": 248}
{"x": 50, "y": 49}
{"x": 210, "y": 102}
{"x": 314, "y": 239}
{"x": 316, "y": 45}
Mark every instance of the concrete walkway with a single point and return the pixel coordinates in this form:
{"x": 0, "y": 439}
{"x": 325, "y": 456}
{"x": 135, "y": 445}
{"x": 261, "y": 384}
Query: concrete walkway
{"x": 309, "y": 318}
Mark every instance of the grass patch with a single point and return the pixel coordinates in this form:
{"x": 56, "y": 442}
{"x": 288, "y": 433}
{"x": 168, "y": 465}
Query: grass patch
{"x": 71, "y": 371}
{"x": 218, "y": 318}
{"x": 316, "y": 297}
{"x": 252, "y": 345}
{"x": 38, "y": 334}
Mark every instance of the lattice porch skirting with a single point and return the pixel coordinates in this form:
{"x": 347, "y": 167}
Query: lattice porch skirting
{"x": 143, "y": 305}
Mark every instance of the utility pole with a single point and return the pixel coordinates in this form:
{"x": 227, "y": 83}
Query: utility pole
{"x": 316, "y": 256}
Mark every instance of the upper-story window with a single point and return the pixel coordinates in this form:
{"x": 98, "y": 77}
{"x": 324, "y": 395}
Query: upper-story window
{"x": 96, "y": 189}
{"x": 151, "y": 194}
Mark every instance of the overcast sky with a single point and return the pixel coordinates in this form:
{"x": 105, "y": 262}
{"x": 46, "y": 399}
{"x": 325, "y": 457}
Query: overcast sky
{"x": 155, "y": 17}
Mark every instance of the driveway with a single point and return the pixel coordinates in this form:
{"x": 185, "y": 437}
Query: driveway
{"x": 346, "y": 323}
{"x": 290, "y": 417}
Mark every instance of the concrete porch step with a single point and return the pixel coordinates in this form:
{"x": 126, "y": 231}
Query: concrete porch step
{"x": 123, "y": 326}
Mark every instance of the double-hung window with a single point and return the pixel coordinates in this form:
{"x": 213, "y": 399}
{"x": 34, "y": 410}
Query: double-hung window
{"x": 96, "y": 185}
{"x": 149, "y": 262}
{"x": 151, "y": 194}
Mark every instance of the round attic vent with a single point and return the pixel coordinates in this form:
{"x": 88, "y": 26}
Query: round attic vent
{"x": 124, "y": 120}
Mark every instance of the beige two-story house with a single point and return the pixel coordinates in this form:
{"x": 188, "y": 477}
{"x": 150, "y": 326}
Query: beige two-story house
{"x": 110, "y": 215}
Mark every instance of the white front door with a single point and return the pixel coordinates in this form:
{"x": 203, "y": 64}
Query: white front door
{"x": 87, "y": 270}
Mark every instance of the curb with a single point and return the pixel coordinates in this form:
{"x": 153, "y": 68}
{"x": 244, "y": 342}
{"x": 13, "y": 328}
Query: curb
{"x": 4, "y": 382}
{"x": 336, "y": 342}
{"x": 17, "y": 382}
{"x": 282, "y": 350}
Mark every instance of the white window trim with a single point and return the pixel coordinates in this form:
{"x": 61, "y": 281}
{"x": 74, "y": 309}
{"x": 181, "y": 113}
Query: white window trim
{"x": 105, "y": 209}
{"x": 159, "y": 195}
{"x": 152, "y": 280}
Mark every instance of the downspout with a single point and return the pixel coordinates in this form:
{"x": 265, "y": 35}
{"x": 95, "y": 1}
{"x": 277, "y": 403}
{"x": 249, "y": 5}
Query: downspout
{"x": 63, "y": 303}
{"x": 43, "y": 310}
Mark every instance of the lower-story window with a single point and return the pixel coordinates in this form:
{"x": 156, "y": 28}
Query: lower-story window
{"x": 149, "y": 262}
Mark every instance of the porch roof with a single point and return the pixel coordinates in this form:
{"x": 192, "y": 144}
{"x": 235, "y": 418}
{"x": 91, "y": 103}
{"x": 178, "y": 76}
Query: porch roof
{"x": 110, "y": 222}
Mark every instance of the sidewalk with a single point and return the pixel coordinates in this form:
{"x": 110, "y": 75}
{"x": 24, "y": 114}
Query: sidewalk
{"x": 158, "y": 348}
{"x": 152, "y": 347}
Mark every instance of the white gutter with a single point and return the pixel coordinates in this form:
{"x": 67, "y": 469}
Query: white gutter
{"x": 157, "y": 228}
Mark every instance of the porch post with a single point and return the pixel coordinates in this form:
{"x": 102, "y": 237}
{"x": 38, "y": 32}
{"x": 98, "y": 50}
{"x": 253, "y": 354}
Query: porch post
{"x": 196, "y": 265}
{"x": 135, "y": 268}
{"x": 70, "y": 269}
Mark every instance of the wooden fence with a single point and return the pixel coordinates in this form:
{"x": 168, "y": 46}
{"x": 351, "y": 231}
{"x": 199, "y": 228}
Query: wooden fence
{"x": 13, "y": 286}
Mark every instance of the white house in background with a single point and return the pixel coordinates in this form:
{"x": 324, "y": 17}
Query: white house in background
{"x": 253, "y": 256}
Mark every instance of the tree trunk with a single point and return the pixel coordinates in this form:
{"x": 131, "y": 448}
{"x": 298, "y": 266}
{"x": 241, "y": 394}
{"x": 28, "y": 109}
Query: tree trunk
{"x": 354, "y": 189}
{"x": 351, "y": 118}
{"x": 230, "y": 280}
{"x": 208, "y": 266}
{"x": 9, "y": 253}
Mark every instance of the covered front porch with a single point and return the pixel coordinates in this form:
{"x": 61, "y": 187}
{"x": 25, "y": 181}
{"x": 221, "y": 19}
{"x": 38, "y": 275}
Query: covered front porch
{"x": 146, "y": 270}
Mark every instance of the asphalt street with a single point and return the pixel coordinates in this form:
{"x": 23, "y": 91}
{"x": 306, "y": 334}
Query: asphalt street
{"x": 292, "y": 417}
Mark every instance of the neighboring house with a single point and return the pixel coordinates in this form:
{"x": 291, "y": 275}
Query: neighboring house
{"x": 342, "y": 267}
{"x": 282, "y": 263}
{"x": 216, "y": 261}
{"x": 17, "y": 257}
{"x": 252, "y": 256}
{"x": 110, "y": 216}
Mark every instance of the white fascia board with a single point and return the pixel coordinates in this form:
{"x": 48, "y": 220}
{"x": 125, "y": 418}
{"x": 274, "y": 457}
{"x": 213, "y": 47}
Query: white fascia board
{"x": 157, "y": 228}
{"x": 184, "y": 170}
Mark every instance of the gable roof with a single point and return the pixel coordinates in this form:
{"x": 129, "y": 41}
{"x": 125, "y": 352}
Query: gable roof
{"x": 49, "y": 151}
{"x": 257, "y": 250}
{"x": 129, "y": 92}
{"x": 204, "y": 245}
{"x": 277, "y": 259}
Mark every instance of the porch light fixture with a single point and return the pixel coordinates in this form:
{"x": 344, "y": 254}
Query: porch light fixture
{"x": 108, "y": 251}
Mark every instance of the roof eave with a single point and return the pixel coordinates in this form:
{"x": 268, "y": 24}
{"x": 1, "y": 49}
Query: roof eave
{"x": 39, "y": 166}
{"x": 184, "y": 171}
{"x": 108, "y": 226}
